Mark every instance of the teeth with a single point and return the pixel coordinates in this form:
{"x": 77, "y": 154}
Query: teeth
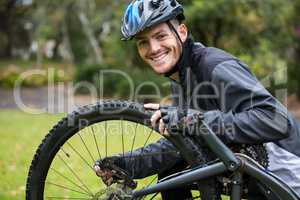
{"x": 159, "y": 57}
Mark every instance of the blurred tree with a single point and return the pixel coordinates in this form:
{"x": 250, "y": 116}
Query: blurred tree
{"x": 293, "y": 50}
{"x": 238, "y": 25}
{"x": 265, "y": 34}
{"x": 13, "y": 33}
{"x": 259, "y": 32}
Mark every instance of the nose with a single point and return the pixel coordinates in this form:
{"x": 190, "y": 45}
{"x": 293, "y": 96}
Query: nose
{"x": 154, "y": 46}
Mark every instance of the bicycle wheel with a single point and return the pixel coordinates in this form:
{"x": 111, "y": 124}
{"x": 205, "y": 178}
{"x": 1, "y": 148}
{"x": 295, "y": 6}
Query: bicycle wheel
{"x": 62, "y": 167}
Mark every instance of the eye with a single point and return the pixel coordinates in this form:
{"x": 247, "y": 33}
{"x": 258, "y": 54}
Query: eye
{"x": 161, "y": 36}
{"x": 141, "y": 43}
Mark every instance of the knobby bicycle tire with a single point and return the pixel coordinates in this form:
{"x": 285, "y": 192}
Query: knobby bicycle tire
{"x": 66, "y": 129}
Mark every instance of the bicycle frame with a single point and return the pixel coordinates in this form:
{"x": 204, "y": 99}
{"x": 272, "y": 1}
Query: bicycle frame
{"x": 282, "y": 191}
{"x": 238, "y": 165}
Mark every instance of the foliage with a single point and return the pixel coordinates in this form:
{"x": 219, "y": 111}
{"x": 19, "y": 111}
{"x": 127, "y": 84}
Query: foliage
{"x": 13, "y": 34}
{"x": 294, "y": 50}
{"x": 53, "y": 72}
{"x": 118, "y": 82}
{"x": 262, "y": 33}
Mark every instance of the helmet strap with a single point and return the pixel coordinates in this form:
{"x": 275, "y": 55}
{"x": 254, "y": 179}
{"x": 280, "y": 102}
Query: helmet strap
{"x": 175, "y": 31}
{"x": 175, "y": 68}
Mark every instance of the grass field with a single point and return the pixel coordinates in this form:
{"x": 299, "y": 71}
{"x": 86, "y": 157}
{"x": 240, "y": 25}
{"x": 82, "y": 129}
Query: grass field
{"x": 20, "y": 135}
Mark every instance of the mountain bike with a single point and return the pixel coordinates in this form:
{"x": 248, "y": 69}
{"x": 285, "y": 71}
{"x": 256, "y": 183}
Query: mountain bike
{"x": 62, "y": 167}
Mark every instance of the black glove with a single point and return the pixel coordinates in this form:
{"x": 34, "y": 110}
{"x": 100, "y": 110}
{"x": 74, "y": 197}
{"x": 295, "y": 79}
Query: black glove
{"x": 177, "y": 120}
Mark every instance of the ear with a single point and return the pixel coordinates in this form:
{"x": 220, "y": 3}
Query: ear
{"x": 183, "y": 32}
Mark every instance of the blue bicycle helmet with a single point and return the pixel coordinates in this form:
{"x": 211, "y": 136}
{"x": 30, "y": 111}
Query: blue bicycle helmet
{"x": 141, "y": 14}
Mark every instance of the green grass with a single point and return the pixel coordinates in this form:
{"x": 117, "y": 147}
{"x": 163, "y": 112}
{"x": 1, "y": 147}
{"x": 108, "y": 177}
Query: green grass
{"x": 20, "y": 135}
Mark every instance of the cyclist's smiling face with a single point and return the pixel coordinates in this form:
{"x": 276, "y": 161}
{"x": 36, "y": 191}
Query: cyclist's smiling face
{"x": 159, "y": 47}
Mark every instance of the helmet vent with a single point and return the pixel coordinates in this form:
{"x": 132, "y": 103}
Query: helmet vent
{"x": 157, "y": 16}
{"x": 155, "y": 3}
{"x": 164, "y": 8}
{"x": 173, "y": 3}
{"x": 141, "y": 9}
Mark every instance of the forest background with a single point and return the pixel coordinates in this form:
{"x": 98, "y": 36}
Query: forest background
{"x": 79, "y": 38}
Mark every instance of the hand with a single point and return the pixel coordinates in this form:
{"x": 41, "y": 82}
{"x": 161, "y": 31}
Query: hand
{"x": 156, "y": 118}
{"x": 172, "y": 119}
{"x": 108, "y": 169}
{"x": 105, "y": 174}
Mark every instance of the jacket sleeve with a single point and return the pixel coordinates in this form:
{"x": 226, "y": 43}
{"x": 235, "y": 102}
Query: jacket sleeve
{"x": 152, "y": 159}
{"x": 247, "y": 112}
{"x": 156, "y": 157}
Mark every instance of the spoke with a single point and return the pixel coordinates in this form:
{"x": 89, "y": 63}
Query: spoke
{"x": 149, "y": 185}
{"x": 67, "y": 198}
{"x": 96, "y": 143}
{"x": 155, "y": 177}
{"x": 57, "y": 172}
{"x": 154, "y": 196}
{"x": 86, "y": 147}
{"x": 130, "y": 159}
{"x": 72, "y": 171}
{"x": 149, "y": 135}
{"x": 67, "y": 154}
{"x": 122, "y": 137}
{"x": 105, "y": 138}
{"x": 65, "y": 187}
{"x": 133, "y": 139}
{"x": 85, "y": 161}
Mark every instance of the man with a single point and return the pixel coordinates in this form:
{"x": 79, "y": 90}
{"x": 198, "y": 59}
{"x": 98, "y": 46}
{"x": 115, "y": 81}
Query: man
{"x": 219, "y": 86}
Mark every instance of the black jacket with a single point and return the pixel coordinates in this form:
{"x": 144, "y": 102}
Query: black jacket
{"x": 235, "y": 105}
